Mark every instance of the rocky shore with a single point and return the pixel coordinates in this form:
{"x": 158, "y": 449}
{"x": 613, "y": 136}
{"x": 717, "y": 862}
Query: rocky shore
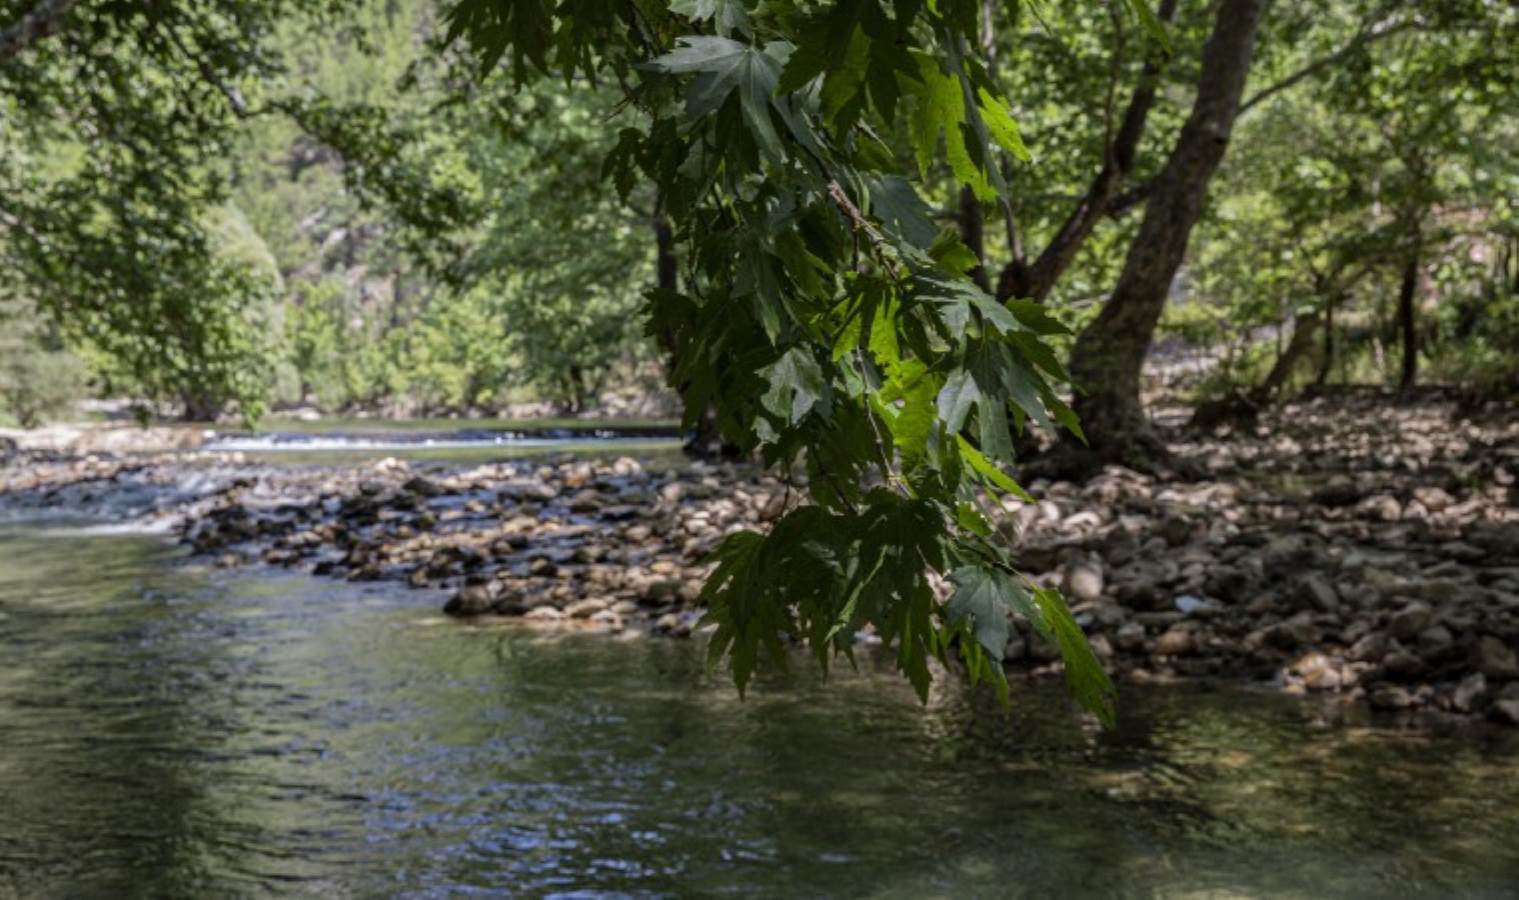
{"x": 1345, "y": 549}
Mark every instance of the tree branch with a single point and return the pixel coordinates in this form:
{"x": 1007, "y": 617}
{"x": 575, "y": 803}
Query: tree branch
{"x": 32, "y": 27}
{"x": 1362, "y": 38}
{"x": 1035, "y": 280}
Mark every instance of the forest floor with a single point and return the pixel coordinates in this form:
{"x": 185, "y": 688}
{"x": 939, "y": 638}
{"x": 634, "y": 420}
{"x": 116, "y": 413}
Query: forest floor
{"x": 1351, "y": 548}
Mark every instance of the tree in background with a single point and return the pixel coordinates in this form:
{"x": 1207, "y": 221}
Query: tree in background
{"x": 39, "y": 378}
{"x": 118, "y": 121}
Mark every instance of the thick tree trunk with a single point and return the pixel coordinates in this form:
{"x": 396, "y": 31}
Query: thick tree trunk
{"x": 1406, "y": 324}
{"x": 1109, "y": 355}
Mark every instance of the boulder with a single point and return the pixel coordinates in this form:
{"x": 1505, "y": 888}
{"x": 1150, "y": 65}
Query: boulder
{"x": 472, "y": 600}
{"x": 1298, "y": 631}
{"x": 1432, "y": 498}
{"x": 1370, "y": 648}
{"x": 1435, "y": 640}
{"x": 1175, "y": 641}
{"x": 1469, "y": 692}
{"x": 584, "y": 609}
{"x": 1495, "y": 659}
{"x": 421, "y": 486}
{"x": 1390, "y": 696}
{"x": 1317, "y": 671}
{"x": 1314, "y": 592}
{"x": 1131, "y": 635}
{"x": 1406, "y": 623}
{"x": 1083, "y": 581}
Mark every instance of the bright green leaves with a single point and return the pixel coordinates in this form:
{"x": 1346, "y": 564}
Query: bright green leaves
{"x": 944, "y": 106}
{"x": 940, "y": 109}
{"x": 999, "y": 122}
{"x": 860, "y": 54}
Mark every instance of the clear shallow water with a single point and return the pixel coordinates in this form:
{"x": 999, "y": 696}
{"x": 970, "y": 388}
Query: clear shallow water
{"x": 174, "y": 732}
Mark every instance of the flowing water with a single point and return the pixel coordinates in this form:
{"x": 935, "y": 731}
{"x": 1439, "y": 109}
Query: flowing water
{"x": 330, "y": 441}
{"x": 168, "y": 730}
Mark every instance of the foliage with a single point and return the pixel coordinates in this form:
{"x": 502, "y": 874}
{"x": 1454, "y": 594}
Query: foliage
{"x": 39, "y": 378}
{"x": 118, "y": 121}
{"x": 840, "y": 333}
{"x": 564, "y": 263}
{"x": 1396, "y": 150}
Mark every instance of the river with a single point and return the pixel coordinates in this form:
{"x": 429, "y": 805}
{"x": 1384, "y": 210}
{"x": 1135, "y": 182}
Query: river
{"x": 173, "y": 730}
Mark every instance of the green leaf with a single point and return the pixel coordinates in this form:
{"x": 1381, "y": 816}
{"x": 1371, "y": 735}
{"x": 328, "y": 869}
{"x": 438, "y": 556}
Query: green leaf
{"x": 988, "y": 470}
{"x": 1037, "y": 318}
{"x": 895, "y": 203}
{"x": 797, "y": 385}
{"x": 727, "y": 16}
{"x": 959, "y": 394}
{"x": 1000, "y": 123}
{"x": 724, "y": 67}
{"x": 940, "y": 109}
{"x": 1084, "y": 675}
{"x": 980, "y": 597}
{"x": 1153, "y": 26}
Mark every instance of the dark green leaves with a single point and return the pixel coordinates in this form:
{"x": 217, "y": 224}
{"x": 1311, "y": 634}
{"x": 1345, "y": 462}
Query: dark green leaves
{"x": 1088, "y": 682}
{"x": 797, "y": 386}
{"x": 836, "y": 330}
{"x": 981, "y": 599}
{"x": 723, "y": 68}
{"x": 985, "y": 596}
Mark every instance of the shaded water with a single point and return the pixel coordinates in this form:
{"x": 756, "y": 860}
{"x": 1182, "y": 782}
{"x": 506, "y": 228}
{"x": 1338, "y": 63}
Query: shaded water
{"x": 170, "y": 731}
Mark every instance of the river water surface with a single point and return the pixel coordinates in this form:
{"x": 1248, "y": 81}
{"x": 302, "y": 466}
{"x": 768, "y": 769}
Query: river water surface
{"x": 172, "y": 731}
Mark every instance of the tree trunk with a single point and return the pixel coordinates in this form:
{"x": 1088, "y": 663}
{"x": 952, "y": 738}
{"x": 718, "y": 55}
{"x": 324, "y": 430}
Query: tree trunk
{"x": 1287, "y": 359}
{"x": 1109, "y": 355}
{"x": 1328, "y": 361}
{"x": 972, "y": 234}
{"x": 705, "y": 440}
{"x": 1406, "y": 293}
{"x": 1034, "y": 281}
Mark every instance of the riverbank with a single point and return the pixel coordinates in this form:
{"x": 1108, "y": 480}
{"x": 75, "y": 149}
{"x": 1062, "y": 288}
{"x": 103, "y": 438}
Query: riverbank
{"x": 1348, "y": 549}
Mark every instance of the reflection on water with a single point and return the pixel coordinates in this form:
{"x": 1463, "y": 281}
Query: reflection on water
{"x": 167, "y": 731}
